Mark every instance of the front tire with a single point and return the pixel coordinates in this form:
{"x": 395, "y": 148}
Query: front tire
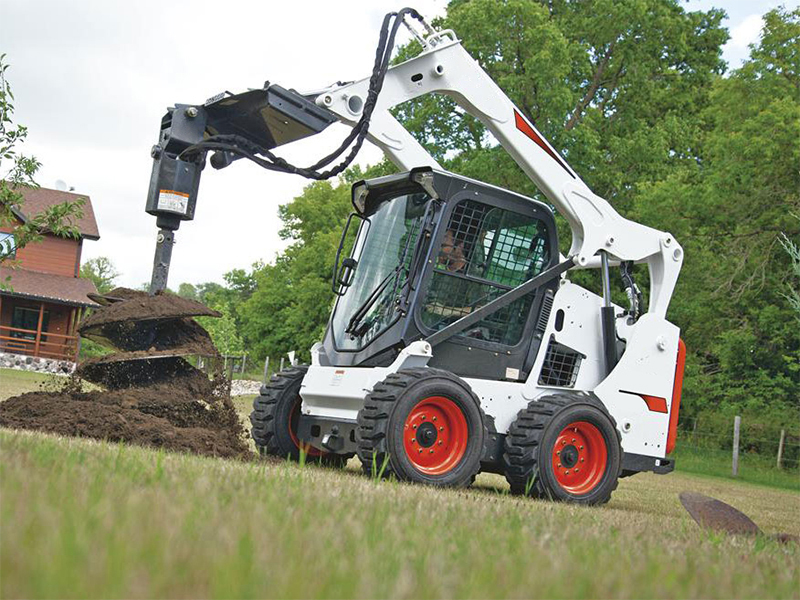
{"x": 564, "y": 447}
{"x": 422, "y": 425}
{"x": 276, "y": 412}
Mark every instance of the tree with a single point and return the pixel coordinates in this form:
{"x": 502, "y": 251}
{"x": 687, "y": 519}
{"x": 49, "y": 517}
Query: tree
{"x": 101, "y": 272}
{"x": 187, "y": 290}
{"x": 730, "y": 209}
{"x": 616, "y": 86}
{"x": 793, "y": 292}
{"x": 16, "y": 173}
{"x": 223, "y": 331}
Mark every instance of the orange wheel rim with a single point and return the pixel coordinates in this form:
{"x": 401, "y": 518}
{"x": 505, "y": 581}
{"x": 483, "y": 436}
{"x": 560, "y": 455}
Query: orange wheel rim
{"x": 580, "y": 457}
{"x": 294, "y": 420}
{"x": 435, "y": 435}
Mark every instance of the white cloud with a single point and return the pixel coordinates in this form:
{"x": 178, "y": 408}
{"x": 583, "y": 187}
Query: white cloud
{"x": 746, "y": 32}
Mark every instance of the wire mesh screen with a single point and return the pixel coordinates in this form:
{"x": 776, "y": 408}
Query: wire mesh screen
{"x": 486, "y": 251}
{"x": 561, "y": 365}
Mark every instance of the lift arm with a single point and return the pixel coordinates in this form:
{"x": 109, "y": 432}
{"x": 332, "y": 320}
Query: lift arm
{"x": 445, "y": 67}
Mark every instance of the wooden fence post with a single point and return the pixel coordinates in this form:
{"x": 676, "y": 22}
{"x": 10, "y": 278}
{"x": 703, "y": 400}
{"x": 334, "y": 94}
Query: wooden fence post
{"x": 266, "y": 369}
{"x": 737, "y": 422}
{"x": 244, "y": 362}
{"x": 281, "y": 363}
{"x": 780, "y": 447}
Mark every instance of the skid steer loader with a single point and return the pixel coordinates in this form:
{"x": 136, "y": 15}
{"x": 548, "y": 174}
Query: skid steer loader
{"x": 457, "y": 342}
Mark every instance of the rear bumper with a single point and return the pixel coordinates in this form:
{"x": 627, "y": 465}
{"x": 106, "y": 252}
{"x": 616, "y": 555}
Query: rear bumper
{"x": 636, "y": 463}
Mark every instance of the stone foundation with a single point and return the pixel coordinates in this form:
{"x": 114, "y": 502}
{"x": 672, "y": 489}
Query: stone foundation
{"x": 245, "y": 387}
{"x": 23, "y": 362}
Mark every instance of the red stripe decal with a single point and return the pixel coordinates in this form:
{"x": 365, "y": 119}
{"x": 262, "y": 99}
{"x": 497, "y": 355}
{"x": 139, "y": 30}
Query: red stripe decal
{"x": 654, "y": 403}
{"x": 525, "y": 128}
{"x": 677, "y": 387}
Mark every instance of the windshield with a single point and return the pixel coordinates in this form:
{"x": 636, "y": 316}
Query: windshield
{"x": 383, "y": 249}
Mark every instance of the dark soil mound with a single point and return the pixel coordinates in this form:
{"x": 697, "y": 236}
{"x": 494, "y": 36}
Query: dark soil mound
{"x": 128, "y": 369}
{"x": 142, "y": 322}
{"x": 141, "y": 306}
{"x": 188, "y": 413}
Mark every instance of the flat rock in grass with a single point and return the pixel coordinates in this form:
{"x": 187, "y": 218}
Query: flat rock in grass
{"x": 714, "y": 514}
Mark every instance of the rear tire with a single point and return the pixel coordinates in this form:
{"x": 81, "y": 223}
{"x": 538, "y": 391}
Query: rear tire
{"x": 276, "y": 412}
{"x": 564, "y": 447}
{"x": 422, "y": 425}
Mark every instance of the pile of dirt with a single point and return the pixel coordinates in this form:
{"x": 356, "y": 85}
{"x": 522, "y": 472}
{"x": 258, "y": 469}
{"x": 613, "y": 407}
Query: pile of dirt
{"x": 154, "y": 396}
{"x": 141, "y": 322}
{"x": 188, "y": 413}
{"x": 138, "y": 306}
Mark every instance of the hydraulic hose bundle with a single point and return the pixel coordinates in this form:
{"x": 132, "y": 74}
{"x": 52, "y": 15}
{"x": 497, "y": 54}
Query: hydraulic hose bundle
{"x": 241, "y": 146}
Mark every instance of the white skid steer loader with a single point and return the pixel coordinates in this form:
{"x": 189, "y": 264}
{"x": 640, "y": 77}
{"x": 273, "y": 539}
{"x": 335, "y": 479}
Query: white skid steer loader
{"x": 457, "y": 342}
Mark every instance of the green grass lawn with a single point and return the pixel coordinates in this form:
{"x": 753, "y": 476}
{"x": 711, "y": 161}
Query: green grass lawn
{"x": 80, "y": 518}
{"x": 14, "y": 382}
{"x": 89, "y": 519}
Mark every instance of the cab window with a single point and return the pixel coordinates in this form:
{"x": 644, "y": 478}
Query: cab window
{"x": 485, "y": 251}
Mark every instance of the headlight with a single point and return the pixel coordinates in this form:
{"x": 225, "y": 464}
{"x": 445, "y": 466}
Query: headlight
{"x": 360, "y": 197}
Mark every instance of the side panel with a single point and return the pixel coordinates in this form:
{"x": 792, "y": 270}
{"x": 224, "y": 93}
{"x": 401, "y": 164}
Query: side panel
{"x": 646, "y": 368}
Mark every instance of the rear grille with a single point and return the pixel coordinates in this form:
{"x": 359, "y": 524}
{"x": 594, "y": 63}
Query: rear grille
{"x": 561, "y": 365}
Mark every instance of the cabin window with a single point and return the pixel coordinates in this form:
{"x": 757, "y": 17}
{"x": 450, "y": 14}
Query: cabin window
{"x": 28, "y": 318}
{"x": 8, "y": 246}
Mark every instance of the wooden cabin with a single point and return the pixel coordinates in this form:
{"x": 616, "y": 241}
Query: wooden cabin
{"x": 42, "y": 303}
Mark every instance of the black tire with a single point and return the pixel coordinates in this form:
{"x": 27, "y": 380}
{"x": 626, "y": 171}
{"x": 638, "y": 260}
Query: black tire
{"x": 405, "y": 396}
{"x": 274, "y": 419}
{"x": 533, "y": 439}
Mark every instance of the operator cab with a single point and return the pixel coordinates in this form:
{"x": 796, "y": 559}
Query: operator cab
{"x": 431, "y": 247}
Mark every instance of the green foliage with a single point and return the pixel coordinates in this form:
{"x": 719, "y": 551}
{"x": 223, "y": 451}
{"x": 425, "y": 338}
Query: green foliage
{"x": 223, "y": 331}
{"x": 188, "y": 291}
{"x": 102, "y": 272}
{"x": 292, "y": 300}
{"x": 17, "y": 172}
{"x": 793, "y": 285}
{"x": 729, "y": 210}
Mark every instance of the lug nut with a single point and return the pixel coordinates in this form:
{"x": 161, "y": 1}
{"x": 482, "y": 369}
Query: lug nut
{"x": 573, "y": 440}
{"x": 431, "y": 451}
{"x": 440, "y": 442}
{"x": 434, "y": 418}
{"x": 441, "y": 428}
{"x": 581, "y": 460}
{"x": 580, "y": 447}
{"x": 413, "y": 440}
{"x": 415, "y": 426}
{"x": 420, "y": 450}
{"x": 566, "y": 472}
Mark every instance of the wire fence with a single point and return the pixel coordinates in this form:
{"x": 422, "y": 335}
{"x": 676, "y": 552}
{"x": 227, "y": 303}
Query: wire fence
{"x": 759, "y": 444}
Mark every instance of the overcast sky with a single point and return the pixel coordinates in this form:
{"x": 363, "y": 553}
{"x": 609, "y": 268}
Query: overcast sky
{"x": 92, "y": 79}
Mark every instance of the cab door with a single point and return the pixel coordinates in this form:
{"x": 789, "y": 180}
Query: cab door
{"x": 487, "y": 243}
